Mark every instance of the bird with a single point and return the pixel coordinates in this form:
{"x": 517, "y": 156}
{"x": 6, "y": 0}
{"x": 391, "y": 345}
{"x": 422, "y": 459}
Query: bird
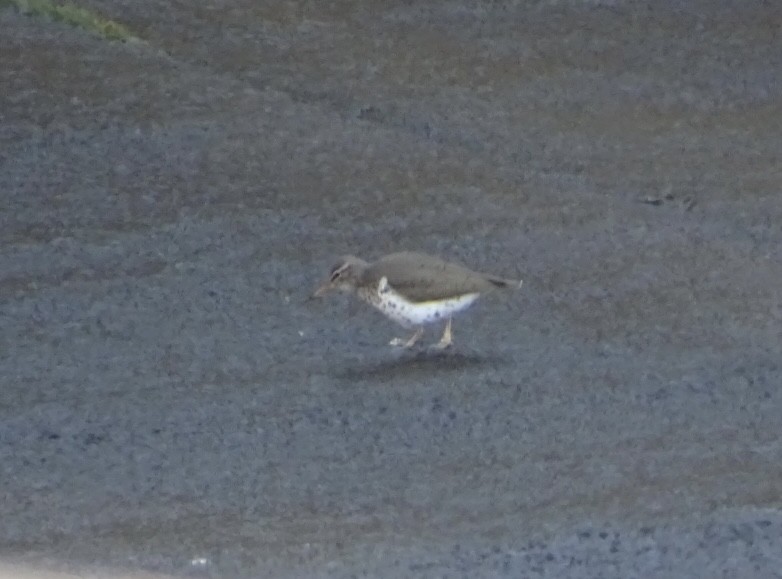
{"x": 413, "y": 289}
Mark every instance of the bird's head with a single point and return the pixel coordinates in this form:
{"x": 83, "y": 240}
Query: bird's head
{"x": 344, "y": 276}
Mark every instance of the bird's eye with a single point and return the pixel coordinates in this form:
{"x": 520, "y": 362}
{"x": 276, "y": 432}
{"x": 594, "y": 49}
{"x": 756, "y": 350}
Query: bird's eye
{"x": 334, "y": 275}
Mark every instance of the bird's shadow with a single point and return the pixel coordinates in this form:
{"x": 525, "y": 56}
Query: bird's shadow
{"x": 416, "y": 364}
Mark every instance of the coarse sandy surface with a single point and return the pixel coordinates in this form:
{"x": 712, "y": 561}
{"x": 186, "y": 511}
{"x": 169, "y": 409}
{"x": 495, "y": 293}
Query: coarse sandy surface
{"x": 170, "y": 400}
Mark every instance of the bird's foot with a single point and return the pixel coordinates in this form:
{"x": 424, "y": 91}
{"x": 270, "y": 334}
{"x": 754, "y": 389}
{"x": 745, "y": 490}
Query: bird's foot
{"x": 441, "y": 345}
{"x": 446, "y": 341}
{"x": 410, "y": 342}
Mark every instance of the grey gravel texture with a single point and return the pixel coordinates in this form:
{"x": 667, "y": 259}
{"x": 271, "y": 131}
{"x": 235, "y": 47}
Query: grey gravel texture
{"x": 171, "y": 401}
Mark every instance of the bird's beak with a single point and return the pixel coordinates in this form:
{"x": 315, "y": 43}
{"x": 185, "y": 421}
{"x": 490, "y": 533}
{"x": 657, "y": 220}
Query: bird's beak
{"x": 324, "y": 289}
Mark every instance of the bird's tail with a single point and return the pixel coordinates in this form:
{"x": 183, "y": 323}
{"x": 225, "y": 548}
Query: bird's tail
{"x": 503, "y": 283}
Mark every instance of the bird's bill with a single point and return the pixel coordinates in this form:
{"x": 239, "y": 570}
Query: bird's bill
{"x": 324, "y": 289}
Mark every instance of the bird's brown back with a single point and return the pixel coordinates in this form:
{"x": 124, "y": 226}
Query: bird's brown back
{"x": 421, "y": 278}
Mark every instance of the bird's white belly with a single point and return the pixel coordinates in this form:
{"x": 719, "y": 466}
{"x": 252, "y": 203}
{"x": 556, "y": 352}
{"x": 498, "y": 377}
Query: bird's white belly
{"x": 410, "y": 314}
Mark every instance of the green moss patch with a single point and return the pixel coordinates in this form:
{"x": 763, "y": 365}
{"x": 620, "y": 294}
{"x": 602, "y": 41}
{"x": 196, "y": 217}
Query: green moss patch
{"x": 73, "y": 15}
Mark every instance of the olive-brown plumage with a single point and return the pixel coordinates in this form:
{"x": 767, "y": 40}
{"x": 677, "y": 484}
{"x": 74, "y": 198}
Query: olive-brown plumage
{"x": 413, "y": 288}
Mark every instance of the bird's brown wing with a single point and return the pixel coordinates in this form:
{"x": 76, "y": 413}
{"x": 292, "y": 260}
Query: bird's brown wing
{"x": 421, "y": 278}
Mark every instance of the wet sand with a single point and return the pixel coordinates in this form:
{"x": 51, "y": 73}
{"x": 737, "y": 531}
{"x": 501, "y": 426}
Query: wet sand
{"x": 172, "y": 402}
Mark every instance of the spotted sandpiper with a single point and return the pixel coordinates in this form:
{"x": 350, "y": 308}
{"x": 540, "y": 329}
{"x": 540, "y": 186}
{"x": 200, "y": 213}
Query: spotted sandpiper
{"x": 413, "y": 289}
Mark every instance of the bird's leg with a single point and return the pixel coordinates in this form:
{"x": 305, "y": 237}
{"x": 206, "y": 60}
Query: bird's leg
{"x": 410, "y": 342}
{"x": 447, "y": 340}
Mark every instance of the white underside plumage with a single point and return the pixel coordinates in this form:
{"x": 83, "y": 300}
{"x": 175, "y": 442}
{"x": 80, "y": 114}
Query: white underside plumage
{"x": 409, "y": 314}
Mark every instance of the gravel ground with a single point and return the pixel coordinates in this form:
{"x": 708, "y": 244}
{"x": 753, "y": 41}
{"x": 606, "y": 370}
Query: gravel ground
{"x": 171, "y": 401}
